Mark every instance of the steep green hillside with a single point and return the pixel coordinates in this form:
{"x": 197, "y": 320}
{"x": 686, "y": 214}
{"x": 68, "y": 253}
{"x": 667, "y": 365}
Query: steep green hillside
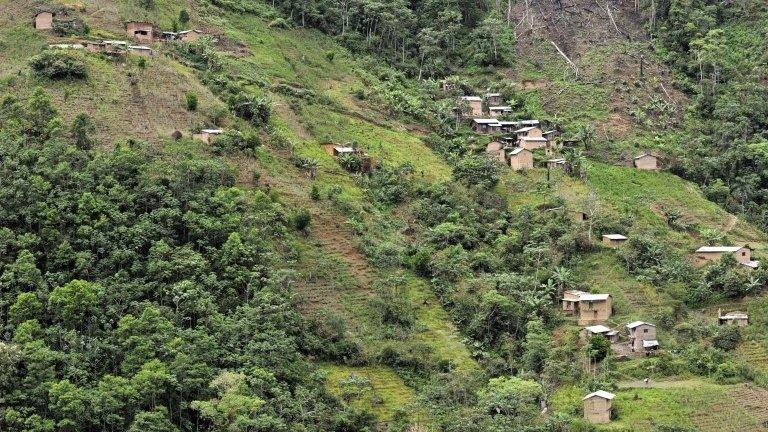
{"x": 266, "y": 285}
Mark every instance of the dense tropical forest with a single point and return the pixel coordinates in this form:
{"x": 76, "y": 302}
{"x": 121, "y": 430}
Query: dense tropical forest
{"x": 154, "y": 281}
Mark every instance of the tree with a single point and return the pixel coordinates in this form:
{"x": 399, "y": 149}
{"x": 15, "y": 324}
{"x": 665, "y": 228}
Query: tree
{"x": 477, "y": 170}
{"x": 598, "y": 348}
{"x": 535, "y": 346}
{"x": 75, "y": 302}
{"x": 191, "y": 102}
{"x": 183, "y": 17}
{"x": 153, "y": 421}
{"x": 234, "y": 407}
{"x": 511, "y": 397}
{"x": 81, "y": 130}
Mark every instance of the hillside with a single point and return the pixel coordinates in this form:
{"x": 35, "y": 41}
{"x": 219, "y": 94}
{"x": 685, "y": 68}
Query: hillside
{"x": 267, "y": 285}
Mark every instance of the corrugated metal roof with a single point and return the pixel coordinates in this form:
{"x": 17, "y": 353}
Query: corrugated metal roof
{"x": 614, "y": 236}
{"x": 600, "y": 393}
{"x": 638, "y": 324}
{"x": 716, "y": 249}
{"x": 594, "y": 297}
{"x": 597, "y": 329}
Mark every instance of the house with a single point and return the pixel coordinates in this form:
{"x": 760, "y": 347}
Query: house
{"x": 743, "y": 254}
{"x": 189, "y": 35}
{"x": 207, "y": 135}
{"x": 486, "y": 126}
{"x": 577, "y": 216}
{"x": 646, "y": 161}
{"x": 44, "y": 20}
{"x": 550, "y": 135}
{"x": 642, "y": 337}
{"x": 613, "y": 240}
{"x": 475, "y": 105}
{"x": 493, "y": 99}
{"x": 590, "y": 308}
{"x": 108, "y": 47}
{"x": 739, "y": 319}
{"x": 532, "y": 143}
{"x": 496, "y": 150}
{"x": 140, "y": 31}
{"x": 337, "y": 150}
{"x": 597, "y": 406}
{"x": 520, "y": 159}
{"x": 556, "y": 163}
{"x": 499, "y": 110}
{"x": 169, "y": 36}
{"x": 508, "y": 126}
{"x": 76, "y": 46}
{"x": 600, "y": 330}
{"x": 528, "y": 131}
{"x": 570, "y": 142}
{"x": 527, "y": 123}
{"x": 140, "y": 50}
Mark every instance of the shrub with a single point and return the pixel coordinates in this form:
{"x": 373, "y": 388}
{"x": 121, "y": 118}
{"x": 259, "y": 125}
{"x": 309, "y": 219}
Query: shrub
{"x": 477, "y": 170}
{"x": 330, "y": 55}
{"x": 302, "y": 219}
{"x": 183, "y": 17}
{"x": 58, "y": 65}
{"x": 191, "y": 102}
{"x": 82, "y": 128}
{"x": 234, "y": 140}
{"x": 727, "y": 338}
{"x": 598, "y": 348}
{"x": 280, "y": 23}
{"x": 314, "y": 193}
{"x": 251, "y": 108}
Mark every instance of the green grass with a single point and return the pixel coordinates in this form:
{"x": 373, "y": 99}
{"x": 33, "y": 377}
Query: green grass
{"x": 385, "y": 393}
{"x": 709, "y": 407}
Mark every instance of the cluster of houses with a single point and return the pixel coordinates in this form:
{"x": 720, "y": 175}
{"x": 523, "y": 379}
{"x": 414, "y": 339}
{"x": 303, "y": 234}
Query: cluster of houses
{"x": 640, "y": 338}
{"x": 141, "y": 32}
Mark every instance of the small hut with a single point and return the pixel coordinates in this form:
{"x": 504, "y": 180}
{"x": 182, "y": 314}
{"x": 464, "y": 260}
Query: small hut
{"x": 597, "y": 406}
{"x": 189, "y": 35}
{"x": 532, "y": 143}
{"x": 642, "y": 337}
{"x": 556, "y": 163}
{"x": 475, "y": 104}
{"x": 493, "y": 99}
{"x": 495, "y": 149}
{"x": 140, "y": 50}
{"x": 614, "y": 240}
{"x": 739, "y": 319}
{"x": 140, "y": 31}
{"x": 646, "y": 161}
{"x": 44, "y": 20}
{"x": 486, "y": 126}
{"x": 520, "y": 159}
{"x": 207, "y": 135}
{"x": 601, "y": 330}
{"x": 499, "y": 110}
{"x": 742, "y": 254}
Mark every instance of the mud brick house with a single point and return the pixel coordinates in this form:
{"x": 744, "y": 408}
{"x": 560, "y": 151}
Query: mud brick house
{"x": 140, "y": 31}
{"x": 597, "y": 406}
{"x": 520, "y": 159}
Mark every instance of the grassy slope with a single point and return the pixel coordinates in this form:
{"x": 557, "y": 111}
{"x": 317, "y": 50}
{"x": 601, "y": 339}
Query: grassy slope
{"x": 701, "y": 404}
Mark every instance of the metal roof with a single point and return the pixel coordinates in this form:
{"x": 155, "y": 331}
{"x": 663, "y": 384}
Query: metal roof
{"x": 594, "y": 297}
{"x": 597, "y": 329}
{"x": 638, "y": 324}
{"x": 614, "y": 236}
{"x": 518, "y": 150}
{"x": 472, "y": 98}
{"x": 714, "y": 249}
{"x": 650, "y": 343}
{"x": 600, "y": 393}
{"x": 212, "y": 131}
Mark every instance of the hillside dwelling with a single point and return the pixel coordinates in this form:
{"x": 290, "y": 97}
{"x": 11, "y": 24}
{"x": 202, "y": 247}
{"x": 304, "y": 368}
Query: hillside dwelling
{"x": 533, "y": 143}
{"x": 493, "y": 99}
{"x": 44, "y": 20}
{"x": 108, "y": 47}
{"x": 508, "y": 126}
{"x": 577, "y": 215}
{"x": 590, "y": 308}
{"x": 499, "y": 110}
{"x": 207, "y": 135}
{"x": 189, "y": 35}
{"x": 569, "y": 142}
{"x": 143, "y": 32}
{"x": 169, "y": 36}
{"x": 614, "y": 240}
{"x": 486, "y": 126}
{"x": 571, "y": 300}
{"x": 642, "y": 337}
{"x": 527, "y": 123}
{"x": 556, "y": 163}
{"x": 594, "y": 308}
{"x": 528, "y": 132}
{"x": 495, "y": 149}
{"x": 550, "y": 135}
{"x": 520, "y": 159}
{"x": 140, "y": 50}
{"x": 646, "y": 161}
{"x": 475, "y": 105}
{"x": 739, "y": 319}
{"x": 600, "y": 330}
{"x": 743, "y": 255}
{"x": 597, "y": 406}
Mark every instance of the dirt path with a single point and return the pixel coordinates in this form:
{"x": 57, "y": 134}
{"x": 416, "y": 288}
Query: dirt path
{"x": 732, "y": 221}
